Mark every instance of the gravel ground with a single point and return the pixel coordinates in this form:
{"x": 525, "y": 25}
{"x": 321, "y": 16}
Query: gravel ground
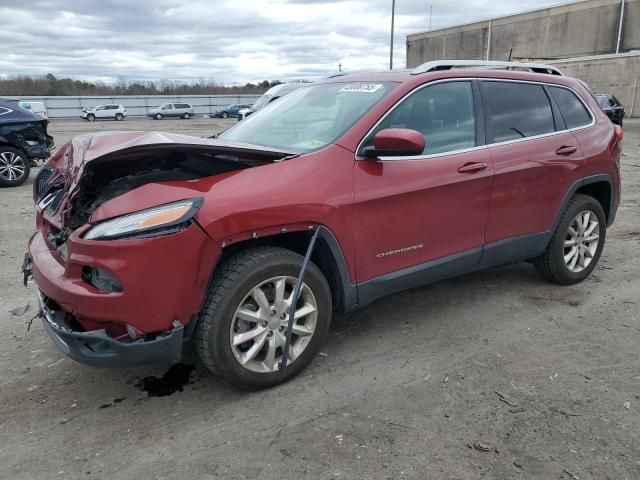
{"x": 418, "y": 385}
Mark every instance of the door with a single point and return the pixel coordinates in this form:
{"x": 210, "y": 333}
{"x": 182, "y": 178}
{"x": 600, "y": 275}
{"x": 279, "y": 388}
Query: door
{"x": 410, "y": 211}
{"x": 535, "y": 159}
{"x": 101, "y": 111}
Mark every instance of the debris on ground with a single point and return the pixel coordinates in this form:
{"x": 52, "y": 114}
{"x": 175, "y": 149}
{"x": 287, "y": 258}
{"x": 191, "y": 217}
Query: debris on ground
{"x": 627, "y": 405}
{"x": 171, "y": 382}
{"x": 517, "y": 465}
{"x": 508, "y": 399}
{"x": 19, "y": 311}
{"x": 482, "y": 447}
{"x": 570, "y": 474}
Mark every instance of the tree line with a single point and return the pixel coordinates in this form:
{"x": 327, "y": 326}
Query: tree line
{"x": 49, "y": 85}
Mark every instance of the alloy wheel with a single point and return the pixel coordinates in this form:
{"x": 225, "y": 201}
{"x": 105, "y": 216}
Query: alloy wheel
{"x": 259, "y": 325}
{"x": 581, "y": 241}
{"x": 12, "y": 166}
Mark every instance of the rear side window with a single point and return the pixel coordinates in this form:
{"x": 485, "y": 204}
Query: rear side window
{"x": 4, "y": 110}
{"x": 443, "y": 113}
{"x": 517, "y": 110}
{"x": 182, "y": 105}
{"x": 572, "y": 109}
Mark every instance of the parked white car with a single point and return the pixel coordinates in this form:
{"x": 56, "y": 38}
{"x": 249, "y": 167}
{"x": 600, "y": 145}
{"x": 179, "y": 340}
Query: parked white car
{"x": 36, "y": 107}
{"x": 111, "y": 110}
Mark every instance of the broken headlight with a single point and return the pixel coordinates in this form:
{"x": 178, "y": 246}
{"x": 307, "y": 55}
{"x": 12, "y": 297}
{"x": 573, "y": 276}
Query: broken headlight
{"x": 162, "y": 220}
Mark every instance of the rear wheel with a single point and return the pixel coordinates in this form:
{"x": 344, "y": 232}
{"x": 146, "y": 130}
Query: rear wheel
{"x": 576, "y": 245}
{"x": 186, "y": 116}
{"x": 14, "y": 167}
{"x": 242, "y": 329}
{"x": 119, "y": 117}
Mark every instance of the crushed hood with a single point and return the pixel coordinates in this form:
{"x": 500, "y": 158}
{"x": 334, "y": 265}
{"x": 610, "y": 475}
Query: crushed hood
{"x": 89, "y": 147}
{"x": 96, "y": 168}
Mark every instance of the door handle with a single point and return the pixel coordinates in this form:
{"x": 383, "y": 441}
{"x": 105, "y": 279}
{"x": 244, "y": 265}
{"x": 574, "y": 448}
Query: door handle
{"x": 472, "y": 167}
{"x": 566, "y": 150}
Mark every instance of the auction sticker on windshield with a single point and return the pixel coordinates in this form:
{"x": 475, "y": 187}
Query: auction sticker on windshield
{"x": 361, "y": 87}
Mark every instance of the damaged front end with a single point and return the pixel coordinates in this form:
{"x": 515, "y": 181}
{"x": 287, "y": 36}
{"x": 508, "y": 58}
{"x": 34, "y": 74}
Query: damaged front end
{"x": 116, "y": 225}
{"x": 24, "y": 131}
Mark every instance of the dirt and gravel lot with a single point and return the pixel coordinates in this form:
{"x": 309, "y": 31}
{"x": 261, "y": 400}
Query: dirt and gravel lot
{"x": 545, "y": 378}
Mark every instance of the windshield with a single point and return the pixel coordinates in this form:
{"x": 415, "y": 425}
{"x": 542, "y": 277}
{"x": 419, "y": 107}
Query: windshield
{"x": 310, "y": 117}
{"x": 262, "y": 101}
{"x": 603, "y": 101}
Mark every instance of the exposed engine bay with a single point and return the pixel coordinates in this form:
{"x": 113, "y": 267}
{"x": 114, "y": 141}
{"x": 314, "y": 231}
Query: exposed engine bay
{"x": 112, "y": 175}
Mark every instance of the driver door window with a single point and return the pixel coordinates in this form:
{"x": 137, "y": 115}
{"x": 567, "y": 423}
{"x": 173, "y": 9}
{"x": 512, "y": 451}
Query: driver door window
{"x": 443, "y": 113}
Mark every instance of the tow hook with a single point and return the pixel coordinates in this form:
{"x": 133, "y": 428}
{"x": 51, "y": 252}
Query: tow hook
{"x": 27, "y": 270}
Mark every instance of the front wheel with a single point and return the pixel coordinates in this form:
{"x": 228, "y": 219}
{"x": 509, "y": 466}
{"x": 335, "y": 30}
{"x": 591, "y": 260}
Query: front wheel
{"x": 91, "y": 117}
{"x": 242, "y": 329}
{"x": 158, "y": 116}
{"x": 14, "y": 167}
{"x": 225, "y": 115}
{"x": 576, "y": 244}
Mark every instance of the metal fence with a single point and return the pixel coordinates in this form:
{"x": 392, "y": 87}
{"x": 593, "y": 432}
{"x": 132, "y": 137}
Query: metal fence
{"x": 137, "y": 105}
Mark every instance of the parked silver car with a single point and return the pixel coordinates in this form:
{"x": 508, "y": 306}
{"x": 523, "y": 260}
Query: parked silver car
{"x": 269, "y": 96}
{"x": 182, "y": 110}
{"x": 111, "y": 110}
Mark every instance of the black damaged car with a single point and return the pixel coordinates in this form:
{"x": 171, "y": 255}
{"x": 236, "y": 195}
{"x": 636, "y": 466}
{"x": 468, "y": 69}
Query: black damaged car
{"x": 23, "y": 140}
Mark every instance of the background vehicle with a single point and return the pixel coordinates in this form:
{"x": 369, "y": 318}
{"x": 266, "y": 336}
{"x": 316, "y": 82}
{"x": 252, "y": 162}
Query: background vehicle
{"x": 181, "y": 110}
{"x": 35, "y": 107}
{"x": 269, "y": 96}
{"x": 229, "y": 111}
{"x": 113, "y": 111}
{"x": 424, "y": 175}
{"x": 23, "y": 139}
{"x": 611, "y": 106}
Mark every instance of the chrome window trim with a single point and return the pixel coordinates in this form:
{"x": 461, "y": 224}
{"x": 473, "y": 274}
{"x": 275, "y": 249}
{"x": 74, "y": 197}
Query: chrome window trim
{"x": 478, "y": 147}
{"x": 8, "y": 110}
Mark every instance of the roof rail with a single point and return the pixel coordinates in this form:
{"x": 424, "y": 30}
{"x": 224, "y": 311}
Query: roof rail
{"x": 450, "y": 64}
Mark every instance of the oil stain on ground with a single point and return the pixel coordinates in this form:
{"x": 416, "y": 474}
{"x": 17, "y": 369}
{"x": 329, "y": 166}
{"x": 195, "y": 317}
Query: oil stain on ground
{"x": 171, "y": 382}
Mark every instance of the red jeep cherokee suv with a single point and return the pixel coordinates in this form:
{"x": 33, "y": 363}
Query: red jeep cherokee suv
{"x": 383, "y": 181}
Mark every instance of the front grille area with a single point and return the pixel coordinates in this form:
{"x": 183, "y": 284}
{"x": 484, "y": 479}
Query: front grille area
{"x": 42, "y": 179}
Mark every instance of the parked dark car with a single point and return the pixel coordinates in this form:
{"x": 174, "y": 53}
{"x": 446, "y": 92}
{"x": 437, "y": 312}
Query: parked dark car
{"x": 23, "y": 140}
{"x": 229, "y": 111}
{"x": 611, "y": 106}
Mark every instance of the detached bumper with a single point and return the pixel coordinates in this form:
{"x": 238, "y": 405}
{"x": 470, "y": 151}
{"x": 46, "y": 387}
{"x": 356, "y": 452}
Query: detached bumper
{"x": 97, "y": 349}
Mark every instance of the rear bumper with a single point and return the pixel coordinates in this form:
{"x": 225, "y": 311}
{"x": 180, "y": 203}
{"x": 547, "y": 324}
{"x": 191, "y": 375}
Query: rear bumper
{"x": 98, "y": 349}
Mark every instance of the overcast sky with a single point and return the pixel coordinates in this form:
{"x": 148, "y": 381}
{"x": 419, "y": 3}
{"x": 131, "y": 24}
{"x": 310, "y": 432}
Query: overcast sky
{"x": 227, "y": 40}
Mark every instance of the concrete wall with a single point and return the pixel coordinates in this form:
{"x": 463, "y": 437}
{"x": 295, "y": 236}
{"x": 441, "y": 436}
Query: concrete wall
{"x": 617, "y": 74}
{"x": 584, "y": 28}
{"x": 137, "y": 105}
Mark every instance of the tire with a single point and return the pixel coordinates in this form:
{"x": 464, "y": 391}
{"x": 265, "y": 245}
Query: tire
{"x": 14, "y": 167}
{"x": 158, "y": 116}
{"x": 225, "y": 115}
{"x": 186, "y": 116}
{"x": 91, "y": 117}
{"x": 119, "y": 117}
{"x": 231, "y": 287}
{"x": 551, "y": 265}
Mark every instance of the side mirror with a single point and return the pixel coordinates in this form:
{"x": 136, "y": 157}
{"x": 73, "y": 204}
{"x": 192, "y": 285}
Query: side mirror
{"x": 395, "y": 142}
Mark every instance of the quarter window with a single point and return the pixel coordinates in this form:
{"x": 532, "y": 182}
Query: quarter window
{"x": 572, "y": 109}
{"x": 4, "y": 110}
{"x": 443, "y": 113}
{"x": 517, "y": 110}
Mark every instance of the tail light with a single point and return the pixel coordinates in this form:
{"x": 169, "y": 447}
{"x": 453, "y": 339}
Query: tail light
{"x": 619, "y": 132}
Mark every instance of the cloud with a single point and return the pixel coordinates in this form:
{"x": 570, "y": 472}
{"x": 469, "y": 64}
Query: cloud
{"x": 227, "y": 40}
